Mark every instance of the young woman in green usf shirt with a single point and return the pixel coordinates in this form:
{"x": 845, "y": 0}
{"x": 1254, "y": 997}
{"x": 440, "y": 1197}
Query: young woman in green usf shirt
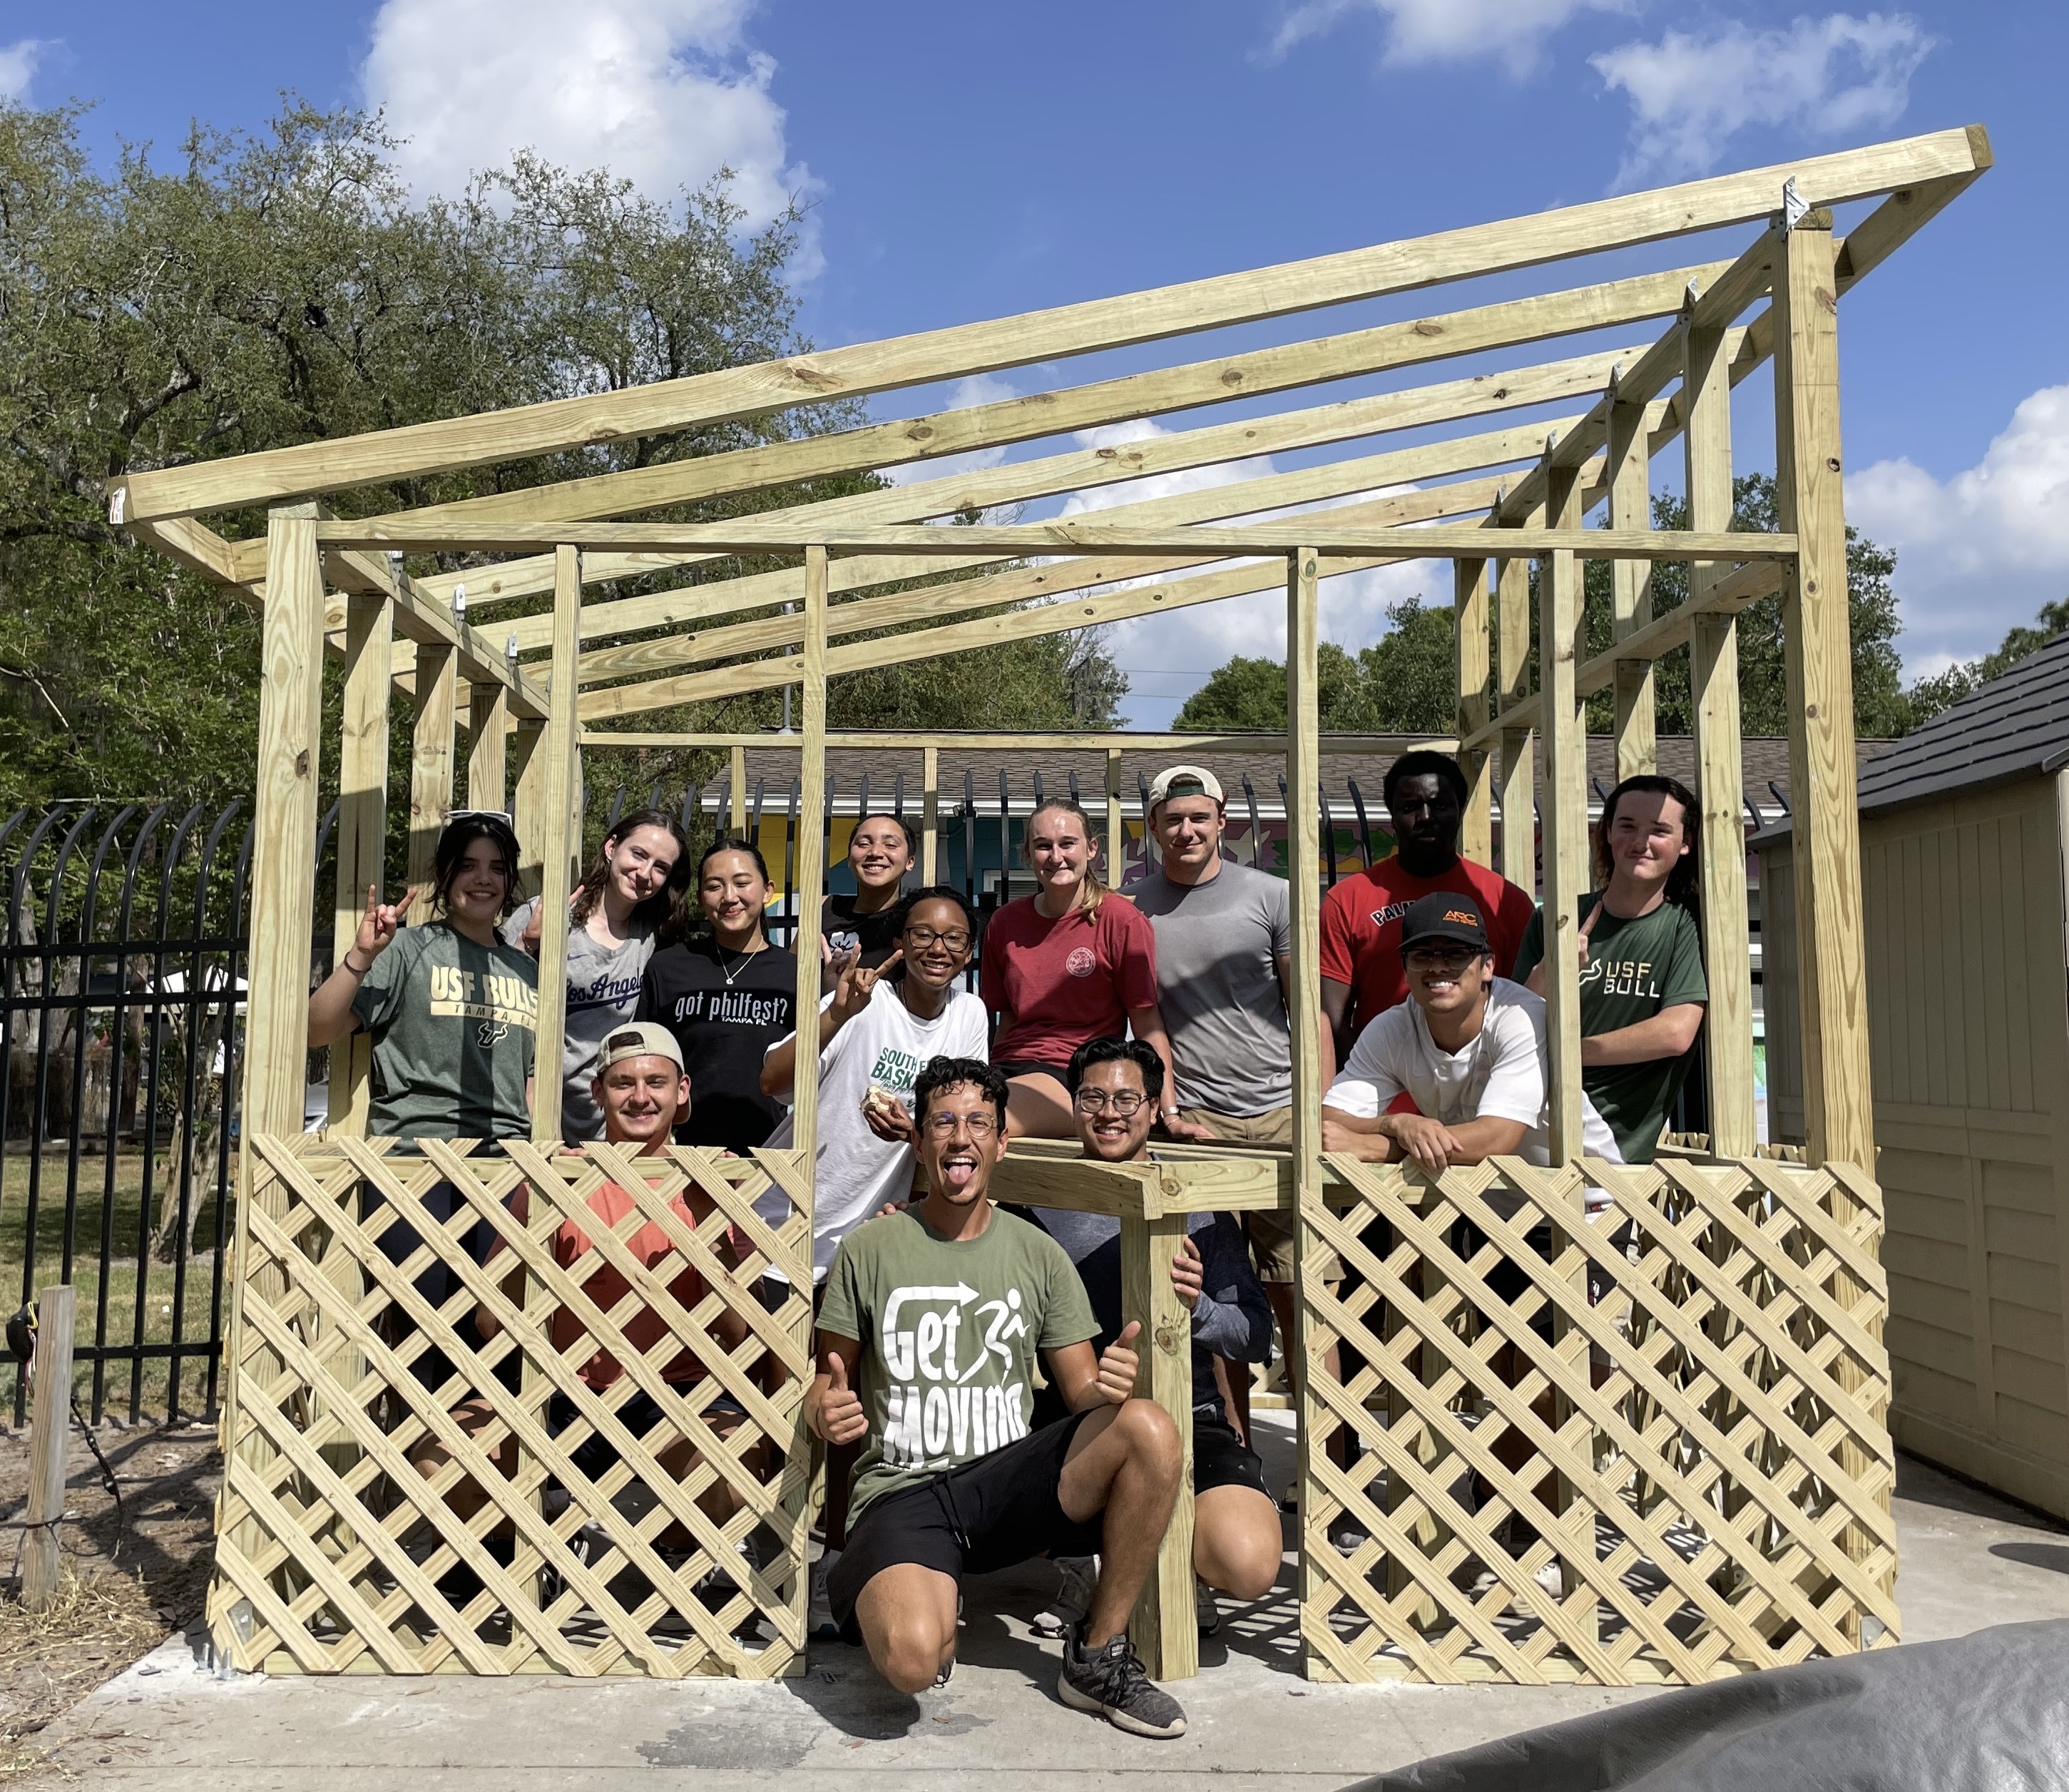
{"x": 1642, "y": 990}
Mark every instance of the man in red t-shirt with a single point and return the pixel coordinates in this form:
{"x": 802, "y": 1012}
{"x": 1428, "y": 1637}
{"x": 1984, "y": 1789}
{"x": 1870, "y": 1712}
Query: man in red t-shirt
{"x": 1361, "y": 971}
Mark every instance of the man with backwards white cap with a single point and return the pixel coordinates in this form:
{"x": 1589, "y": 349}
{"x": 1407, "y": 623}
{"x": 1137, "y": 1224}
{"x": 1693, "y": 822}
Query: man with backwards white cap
{"x": 1224, "y": 955}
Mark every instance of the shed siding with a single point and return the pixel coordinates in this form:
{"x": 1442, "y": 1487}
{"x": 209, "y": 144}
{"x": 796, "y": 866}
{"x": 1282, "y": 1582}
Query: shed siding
{"x": 1963, "y": 901}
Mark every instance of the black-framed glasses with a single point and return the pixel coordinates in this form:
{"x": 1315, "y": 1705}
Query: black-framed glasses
{"x": 919, "y": 938}
{"x": 1124, "y": 1102}
{"x": 1449, "y": 958}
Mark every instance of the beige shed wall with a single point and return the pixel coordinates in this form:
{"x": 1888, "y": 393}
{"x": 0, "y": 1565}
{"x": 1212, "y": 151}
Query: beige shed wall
{"x": 1970, "y": 1037}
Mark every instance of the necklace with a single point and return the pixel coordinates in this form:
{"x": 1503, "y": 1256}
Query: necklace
{"x": 718, "y": 952}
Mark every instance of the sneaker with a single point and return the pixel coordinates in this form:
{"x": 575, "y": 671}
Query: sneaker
{"x": 947, "y": 1673}
{"x": 1112, "y": 1681}
{"x": 819, "y": 1606}
{"x": 1207, "y": 1608}
{"x": 1078, "y": 1575}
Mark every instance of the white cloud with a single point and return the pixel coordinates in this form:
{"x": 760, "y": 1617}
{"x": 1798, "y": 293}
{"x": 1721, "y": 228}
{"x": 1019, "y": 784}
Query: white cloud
{"x": 1839, "y": 76}
{"x": 1983, "y": 550}
{"x": 1512, "y": 32}
{"x": 1152, "y": 485}
{"x": 975, "y": 389}
{"x": 663, "y": 92}
{"x": 18, "y": 67}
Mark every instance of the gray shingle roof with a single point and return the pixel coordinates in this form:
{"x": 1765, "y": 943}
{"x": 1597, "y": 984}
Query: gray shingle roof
{"x": 2014, "y": 725}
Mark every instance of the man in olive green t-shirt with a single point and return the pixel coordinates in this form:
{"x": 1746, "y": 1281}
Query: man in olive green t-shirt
{"x": 927, "y": 1341}
{"x": 1642, "y": 992}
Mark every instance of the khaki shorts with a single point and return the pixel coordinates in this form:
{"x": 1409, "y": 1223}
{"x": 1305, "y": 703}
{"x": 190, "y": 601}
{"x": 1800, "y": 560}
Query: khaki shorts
{"x": 1270, "y": 1231}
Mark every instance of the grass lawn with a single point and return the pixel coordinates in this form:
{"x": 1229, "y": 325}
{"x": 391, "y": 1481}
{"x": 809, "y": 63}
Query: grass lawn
{"x": 118, "y": 1323}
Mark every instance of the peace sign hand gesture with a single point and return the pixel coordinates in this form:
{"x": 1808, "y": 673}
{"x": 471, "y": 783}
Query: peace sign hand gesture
{"x": 1587, "y": 927}
{"x": 853, "y": 987}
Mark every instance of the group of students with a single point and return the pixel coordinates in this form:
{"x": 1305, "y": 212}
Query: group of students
{"x": 1099, "y": 1014}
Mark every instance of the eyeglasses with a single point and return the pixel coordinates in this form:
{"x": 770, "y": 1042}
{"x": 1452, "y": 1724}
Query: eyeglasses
{"x": 1124, "y": 1102}
{"x": 1451, "y": 958}
{"x": 945, "y": 1126}
{"x": 919, "y": 938}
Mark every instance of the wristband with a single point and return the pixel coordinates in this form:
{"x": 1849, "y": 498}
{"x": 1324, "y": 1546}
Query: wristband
{"x": 345, "y": 963}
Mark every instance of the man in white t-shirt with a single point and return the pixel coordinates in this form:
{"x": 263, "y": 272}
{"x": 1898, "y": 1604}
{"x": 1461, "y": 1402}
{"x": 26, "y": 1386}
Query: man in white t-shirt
{"x": 1467, "y": 1048}
{"x": 875, "y": 1036}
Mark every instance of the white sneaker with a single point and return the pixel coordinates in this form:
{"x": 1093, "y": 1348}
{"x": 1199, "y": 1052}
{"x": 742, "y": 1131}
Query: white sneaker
{"x": 818, "y": 1605}
{"x": 1077, "y": 1576}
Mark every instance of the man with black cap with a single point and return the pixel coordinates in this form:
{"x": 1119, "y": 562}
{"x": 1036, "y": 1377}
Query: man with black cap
{"x": 1468, "y": 1047}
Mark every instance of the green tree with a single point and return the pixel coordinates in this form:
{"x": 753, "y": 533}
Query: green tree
{"x": 1929, "y": 696}
{"x": 1246, "y": 695}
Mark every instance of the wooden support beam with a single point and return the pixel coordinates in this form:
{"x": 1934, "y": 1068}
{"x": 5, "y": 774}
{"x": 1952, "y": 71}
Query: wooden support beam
{"x": 431, "y": 755}
{"x": 905, "y": 441}
{"x": 1084, "y": 740}
{"x": 488, "y": 730}
{"x": 1470, "y": 617}
{"x": 737, "y": 393}
{"x": 1713, "y": 678}
{"x": 560, "y": 771}
{"x": 1566, "y": 813}
{"x": 1304, "y": 848}
{"x": 362, "y": 831}
{"x": 1519, "y": 770}
{"x": 528, "y": 767}
{"x": 1832, "y": 988}
{"x": 811, "y": 855}
{"x": 49, "y": 1435}
{"x": 1630, "y": 456}
{"x": 736, "y": 794}
{"x": 1117, "y": 834}
{"x": 930, "y": 816}
{"x": 1164, "y": 1625}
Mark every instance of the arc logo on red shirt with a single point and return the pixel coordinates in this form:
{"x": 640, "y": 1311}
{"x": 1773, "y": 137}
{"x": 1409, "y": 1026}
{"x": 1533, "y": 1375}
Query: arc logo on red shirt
{"x": 1082, "y": 962}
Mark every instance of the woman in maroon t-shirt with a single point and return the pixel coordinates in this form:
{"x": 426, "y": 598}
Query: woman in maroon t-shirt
{"x": 1074, "y": 961}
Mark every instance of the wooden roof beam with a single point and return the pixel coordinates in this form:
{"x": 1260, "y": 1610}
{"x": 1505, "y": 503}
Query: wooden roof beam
{"x": 524, "y": 431}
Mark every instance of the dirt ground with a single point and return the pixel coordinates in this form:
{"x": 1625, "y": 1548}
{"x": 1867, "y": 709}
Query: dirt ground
{"x": 134, "y": 1581}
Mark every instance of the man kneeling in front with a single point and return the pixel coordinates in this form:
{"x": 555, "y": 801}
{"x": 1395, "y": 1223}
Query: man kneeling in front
{"x": 926, "y": 1340}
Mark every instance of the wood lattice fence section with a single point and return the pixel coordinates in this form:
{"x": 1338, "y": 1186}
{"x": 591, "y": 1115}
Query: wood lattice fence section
{"x": 1658, "y": 1451}
{"x": 405, "y": 1494}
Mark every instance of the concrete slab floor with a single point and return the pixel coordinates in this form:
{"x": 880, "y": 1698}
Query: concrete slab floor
{"x": 1969, "y": 1560}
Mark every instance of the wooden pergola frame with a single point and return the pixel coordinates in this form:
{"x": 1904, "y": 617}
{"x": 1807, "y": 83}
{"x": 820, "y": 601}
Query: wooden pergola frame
{"x": 1496, "y": 501}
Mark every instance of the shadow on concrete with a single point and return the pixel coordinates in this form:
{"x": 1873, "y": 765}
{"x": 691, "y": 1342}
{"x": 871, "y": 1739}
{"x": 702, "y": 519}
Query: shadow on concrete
{"x": 1931, "y": 1485}
{"x": 2053, "y": 1556}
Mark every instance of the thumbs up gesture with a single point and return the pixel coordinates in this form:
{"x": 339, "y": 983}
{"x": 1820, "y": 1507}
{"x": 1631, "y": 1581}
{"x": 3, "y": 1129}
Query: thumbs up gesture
{"x": 1588, "y": 927}
{"x": 1117, "y": 1365}
{"x": 838, "y": 1417}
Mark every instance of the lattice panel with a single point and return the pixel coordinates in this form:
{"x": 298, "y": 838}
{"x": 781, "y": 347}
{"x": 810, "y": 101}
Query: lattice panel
{"x": 1682, "y": 1470}
{"x": 371, "y": 1523}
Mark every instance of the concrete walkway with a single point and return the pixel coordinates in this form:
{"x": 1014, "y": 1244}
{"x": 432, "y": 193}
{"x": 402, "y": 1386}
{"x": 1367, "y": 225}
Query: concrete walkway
{"x": 1969, "y": 1561}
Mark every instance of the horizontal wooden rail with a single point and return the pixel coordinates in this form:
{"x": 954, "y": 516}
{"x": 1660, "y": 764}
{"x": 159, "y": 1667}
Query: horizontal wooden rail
{"x": 1083, "y": 740}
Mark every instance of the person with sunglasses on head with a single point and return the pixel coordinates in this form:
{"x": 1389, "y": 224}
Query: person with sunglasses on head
{"x": 636, "y": 884}
{"x": 876, "y": 1030}
{"x": 927, "y": 1344}
{"x": 1074, "y": 961}
{"x": 1644, "y": 994}
{"x": 1362, "y": 975}
{"x": 728, "y": 995}
{"x": 863, "y": 929}
{"x": 1238, "y": 1546}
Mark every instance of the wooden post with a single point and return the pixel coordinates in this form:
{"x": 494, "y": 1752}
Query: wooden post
{"x": 1713, "y": 679}
{"x": 1519, "y": 770}
{"x": 1304, "y": 848}
{"x": 1116, "y": 834}
{"x": 530, "y": 771}
{"x": 930, "y": 818}
{"x": 1839, "y": 1116}
{"x": 362, "y": 826}
{"x": 811, "y": 857}
{"x": 1631, "y": 507}
{"x": 50, "y": 1431}
{"x": 735, "y": 824}
{"x": 488, "y": 718}
{"x": 559, "y": 754}
{"x": 1565, "y": 814}
{"x": 431, "y": 754}
{"x": 1469, "y": 606}
{"x": 1163, "y": 1627}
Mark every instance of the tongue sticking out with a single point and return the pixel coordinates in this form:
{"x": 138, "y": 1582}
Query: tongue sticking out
{"x": 957, "y": 1172}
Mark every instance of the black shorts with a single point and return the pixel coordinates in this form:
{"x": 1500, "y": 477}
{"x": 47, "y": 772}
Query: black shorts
{"x": 436, "y": 1284}
{"x": 1011, "y": 1068}
{"x": 1221, "y": 1459}
{"x": 1509, "y": 1281}
{"x": 596, "y": 1456}
{"x": 1000, "y": 1510}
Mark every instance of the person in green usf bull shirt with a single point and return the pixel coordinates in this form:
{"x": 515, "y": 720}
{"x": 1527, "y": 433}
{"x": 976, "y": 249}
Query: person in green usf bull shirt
{"x": 1642, "y": 991}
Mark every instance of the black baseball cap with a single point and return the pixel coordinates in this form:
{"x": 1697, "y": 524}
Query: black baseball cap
{"x": 1444, "y": 916}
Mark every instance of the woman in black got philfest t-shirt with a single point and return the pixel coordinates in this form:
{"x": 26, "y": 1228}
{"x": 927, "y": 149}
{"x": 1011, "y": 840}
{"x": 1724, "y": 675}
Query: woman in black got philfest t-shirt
{"x": 728, "y": 995}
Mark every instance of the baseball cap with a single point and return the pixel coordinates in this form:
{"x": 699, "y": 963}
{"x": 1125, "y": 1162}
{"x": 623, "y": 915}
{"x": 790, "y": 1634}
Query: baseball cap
{"x": 1444, "y": 916}
{"x": 642, "y": 1039}
{"x": 1184, "y": 781}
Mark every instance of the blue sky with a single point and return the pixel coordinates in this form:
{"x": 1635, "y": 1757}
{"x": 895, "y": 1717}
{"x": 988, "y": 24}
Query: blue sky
{"x": 964, "y": 161}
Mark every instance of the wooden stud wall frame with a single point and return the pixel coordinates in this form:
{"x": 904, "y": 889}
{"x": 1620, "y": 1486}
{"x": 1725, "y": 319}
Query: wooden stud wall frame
{"x": 1714, "y": 1477}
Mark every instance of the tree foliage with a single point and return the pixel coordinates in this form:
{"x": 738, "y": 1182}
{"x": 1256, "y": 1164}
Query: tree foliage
{"x": 1930, "y": 696}
{"x": 260, "y": 291}
{"x": 1404, "y": 684}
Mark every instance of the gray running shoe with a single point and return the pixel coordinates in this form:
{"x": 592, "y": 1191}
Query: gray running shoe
{"x": 818, "y": 1604}
{"x": 1112, "y": 1681}
{"x": 1078, "y": 1576}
